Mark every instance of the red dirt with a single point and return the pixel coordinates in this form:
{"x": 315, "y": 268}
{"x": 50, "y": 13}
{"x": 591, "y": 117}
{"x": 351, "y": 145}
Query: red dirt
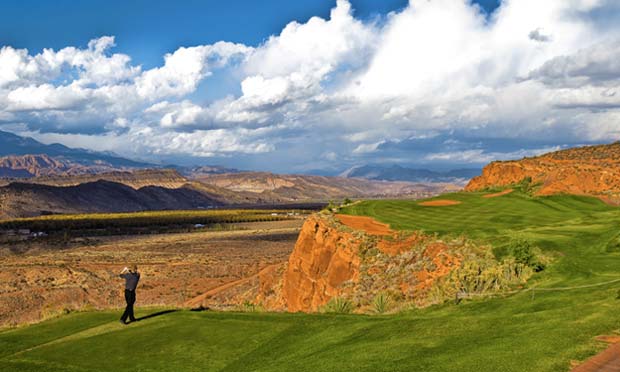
{"x": 367, "y": 224}
{"x": 439, "y": 203}
{"x": 199, "y": 300}
{"x": 443, "y": 262}
{"x": 501, "y": 193}
{"x": 606, "y": 361}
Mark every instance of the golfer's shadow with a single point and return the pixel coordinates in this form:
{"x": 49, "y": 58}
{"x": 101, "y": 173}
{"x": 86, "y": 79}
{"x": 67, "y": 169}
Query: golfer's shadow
{"x": 159, "y": 313}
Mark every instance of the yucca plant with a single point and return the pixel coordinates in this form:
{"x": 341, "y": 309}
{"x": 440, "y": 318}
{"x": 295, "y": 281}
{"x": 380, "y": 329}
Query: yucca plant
{"x": 339, "y": 305}
{"x": 382, "y": 303}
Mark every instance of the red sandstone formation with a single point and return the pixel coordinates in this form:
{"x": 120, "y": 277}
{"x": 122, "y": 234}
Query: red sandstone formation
{"x": 590, "y": 170}
{"x": 322, "y": 261}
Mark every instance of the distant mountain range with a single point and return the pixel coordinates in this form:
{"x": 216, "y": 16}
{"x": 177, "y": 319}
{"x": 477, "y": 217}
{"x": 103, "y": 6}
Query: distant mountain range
{"x": 12, "y": 144}
{"x": 38, "y": 179}
{"x": 23, "y": 157}
{"x": 399, "y": 173}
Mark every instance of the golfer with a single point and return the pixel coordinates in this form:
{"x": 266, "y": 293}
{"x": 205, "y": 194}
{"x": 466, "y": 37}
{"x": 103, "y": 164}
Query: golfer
{"x": 131, "y": 276}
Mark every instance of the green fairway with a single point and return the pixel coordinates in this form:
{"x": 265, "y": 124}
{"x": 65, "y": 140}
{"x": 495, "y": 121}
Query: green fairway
{"x": 527, "y": 331}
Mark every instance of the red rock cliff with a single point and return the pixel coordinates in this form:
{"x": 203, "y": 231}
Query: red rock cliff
{"x": 324, "y": 258}
{"x": 590, "y": 170}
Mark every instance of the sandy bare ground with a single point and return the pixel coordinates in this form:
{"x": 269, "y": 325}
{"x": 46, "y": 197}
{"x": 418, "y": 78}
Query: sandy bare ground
{"x": 41, "y": 281}
{"x": 606, "y": 361}
{"x": 501, "y": 193}
{"x": 367, "y": 224}
{"x": 439, "y": 203}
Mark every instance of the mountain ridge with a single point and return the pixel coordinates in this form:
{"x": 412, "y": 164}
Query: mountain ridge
{"x": 396, "y": 172}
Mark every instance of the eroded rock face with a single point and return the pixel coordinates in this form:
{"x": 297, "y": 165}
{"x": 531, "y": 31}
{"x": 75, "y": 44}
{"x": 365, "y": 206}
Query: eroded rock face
{"x": 331, "y": 260}
{"x": 324, "y": 259}
{"x": 591, "y": 170}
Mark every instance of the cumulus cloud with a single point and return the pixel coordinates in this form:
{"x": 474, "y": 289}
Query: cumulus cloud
{"x": 342, "y": 88}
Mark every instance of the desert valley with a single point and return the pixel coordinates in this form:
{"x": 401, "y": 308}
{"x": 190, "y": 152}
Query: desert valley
{"x": 320, "y": 186}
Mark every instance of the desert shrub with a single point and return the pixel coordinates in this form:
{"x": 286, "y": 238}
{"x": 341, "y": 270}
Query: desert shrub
{"x": 249, "y": 307}
{"x": 339, "y": 305}
{"x": 382, "y": 303}
{"x": 524, "y": 253}
{"x": 525, "y": 185}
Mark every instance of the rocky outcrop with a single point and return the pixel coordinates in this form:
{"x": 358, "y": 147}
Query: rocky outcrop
{"x": 31, "y": 166}
{"x": 416, "y": 269}
{"x": 136, "y": 179}
{"x": 323, "y": 259}
{"x": 590, "y": 170}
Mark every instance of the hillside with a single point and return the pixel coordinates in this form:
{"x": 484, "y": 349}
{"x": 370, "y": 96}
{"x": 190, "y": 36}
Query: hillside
{"x": 26, "y": 199}
{"x": 590, "y": 170}
{"x": 301, "y": 187}
{"x": 159, "y": 189}
{"x": 136, "y": 179}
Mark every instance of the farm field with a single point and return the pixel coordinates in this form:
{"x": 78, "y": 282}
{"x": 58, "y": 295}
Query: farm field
{"x": 145, "y": 222}
{"x": 546, "y": 329}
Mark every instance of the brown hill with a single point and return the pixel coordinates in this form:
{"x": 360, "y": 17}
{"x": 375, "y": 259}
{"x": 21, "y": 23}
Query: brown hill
{"x": 590, "y": 170}
{"x": 36, "y": 165}
{"x": 277, "y": 187}
{"x": 159, "y": 189}
{"x": 136, "y": 179}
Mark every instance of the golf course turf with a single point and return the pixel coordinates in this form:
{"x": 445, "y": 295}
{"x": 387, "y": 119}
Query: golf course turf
{"x": 542, "y": 330}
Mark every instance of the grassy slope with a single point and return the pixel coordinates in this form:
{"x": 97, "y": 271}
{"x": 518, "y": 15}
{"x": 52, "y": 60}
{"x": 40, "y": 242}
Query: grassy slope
{"x": 518, "y": 333}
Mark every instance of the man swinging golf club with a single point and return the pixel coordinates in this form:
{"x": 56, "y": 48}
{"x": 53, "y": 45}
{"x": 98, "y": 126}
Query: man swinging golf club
{"x": 131, "y": 276}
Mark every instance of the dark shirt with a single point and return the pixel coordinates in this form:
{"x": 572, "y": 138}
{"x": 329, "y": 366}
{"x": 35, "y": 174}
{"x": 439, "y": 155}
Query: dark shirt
{"x": 131, "y": 280}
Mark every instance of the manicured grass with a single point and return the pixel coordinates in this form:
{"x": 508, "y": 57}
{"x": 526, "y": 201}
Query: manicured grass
{"x": 520, "y": 332}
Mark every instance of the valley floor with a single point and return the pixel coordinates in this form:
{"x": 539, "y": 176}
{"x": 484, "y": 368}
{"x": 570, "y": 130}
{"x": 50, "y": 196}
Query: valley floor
{"x": 39, "y": 280}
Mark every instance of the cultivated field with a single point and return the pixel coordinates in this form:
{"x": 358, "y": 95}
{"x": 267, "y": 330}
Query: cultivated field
{"x": 547, "y": 325}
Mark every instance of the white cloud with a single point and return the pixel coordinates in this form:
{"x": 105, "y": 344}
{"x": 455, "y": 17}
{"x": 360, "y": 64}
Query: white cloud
{"x": 185, "y": 68}
{"x": 479, "y": 156}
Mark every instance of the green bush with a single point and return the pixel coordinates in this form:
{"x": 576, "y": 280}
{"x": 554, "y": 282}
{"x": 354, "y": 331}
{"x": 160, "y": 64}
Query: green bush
{"x": 382, "y": 303}
{"x": 339, "y": 305}
{"x": 524, "y": 253}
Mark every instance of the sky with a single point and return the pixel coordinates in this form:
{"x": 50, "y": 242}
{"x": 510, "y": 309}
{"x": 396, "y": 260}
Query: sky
{"x": 312, "y": 86}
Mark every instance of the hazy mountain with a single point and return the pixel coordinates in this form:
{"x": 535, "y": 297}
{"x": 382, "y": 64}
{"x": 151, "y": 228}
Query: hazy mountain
{"x": 399, "y": 173}
{"x": 12, "y": 144}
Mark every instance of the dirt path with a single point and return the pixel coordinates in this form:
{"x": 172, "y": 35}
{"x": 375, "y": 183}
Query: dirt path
{"x": 367, "y": 224}
{"x": 197, "y": 301}
{"x": 606, "y": 361}
{"x": 501, "y": 193}
{"x": 439, "y": 203}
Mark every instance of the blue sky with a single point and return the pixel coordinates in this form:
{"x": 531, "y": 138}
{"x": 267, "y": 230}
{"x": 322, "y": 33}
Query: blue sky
{"x": 296, "y": 86}
{"x": 147, "y": 29}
